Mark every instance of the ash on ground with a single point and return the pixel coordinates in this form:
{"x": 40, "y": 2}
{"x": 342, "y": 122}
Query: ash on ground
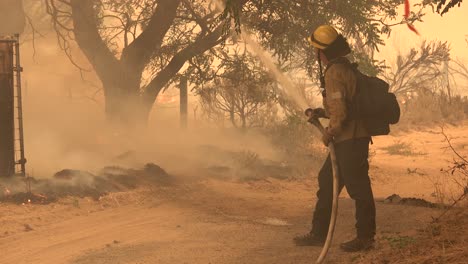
{"x": 77, "y": 183}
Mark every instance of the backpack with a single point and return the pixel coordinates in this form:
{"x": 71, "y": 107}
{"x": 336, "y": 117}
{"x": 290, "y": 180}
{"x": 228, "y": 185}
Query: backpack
{"x": 374, "y": 104}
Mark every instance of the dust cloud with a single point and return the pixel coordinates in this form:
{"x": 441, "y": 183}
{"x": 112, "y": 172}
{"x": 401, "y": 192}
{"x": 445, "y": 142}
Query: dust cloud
{"x": 65, "y": 124}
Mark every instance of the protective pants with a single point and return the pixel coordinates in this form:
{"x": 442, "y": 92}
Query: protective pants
{"x": 353, "y": 166}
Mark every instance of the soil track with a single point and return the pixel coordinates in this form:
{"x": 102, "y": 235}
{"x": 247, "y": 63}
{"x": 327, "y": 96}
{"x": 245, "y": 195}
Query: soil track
{"x": 205, "y": 222}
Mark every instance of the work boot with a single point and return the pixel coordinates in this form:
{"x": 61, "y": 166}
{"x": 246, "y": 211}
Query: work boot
{"x": 357, "y": 244}
{"x": 309, "y": 240}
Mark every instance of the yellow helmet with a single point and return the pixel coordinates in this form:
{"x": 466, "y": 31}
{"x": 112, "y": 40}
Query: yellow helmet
{"x": 323, "y": 37}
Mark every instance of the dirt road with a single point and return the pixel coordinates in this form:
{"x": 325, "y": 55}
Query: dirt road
{"x": 206, "y": 220}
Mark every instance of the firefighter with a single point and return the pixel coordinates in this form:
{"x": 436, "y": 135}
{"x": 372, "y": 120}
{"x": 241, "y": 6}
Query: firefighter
{"x": 351, "y": 145}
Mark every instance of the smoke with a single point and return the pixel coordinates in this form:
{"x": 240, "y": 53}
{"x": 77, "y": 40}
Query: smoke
{"x": 12, "y": 17}
{"x": 66, "y": 129}
{"x": 65, "y": 125}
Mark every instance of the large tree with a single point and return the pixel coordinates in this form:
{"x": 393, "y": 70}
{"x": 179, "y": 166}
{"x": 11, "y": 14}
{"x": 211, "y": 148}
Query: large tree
{"x": 138, "y": 47}
{"x": 135, "y": 47}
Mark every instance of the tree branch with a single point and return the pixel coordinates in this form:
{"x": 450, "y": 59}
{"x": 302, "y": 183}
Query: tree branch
{"x": 177, "y": 62}
{"x": 87, "y": 36}
{"x": 137, "y": 54}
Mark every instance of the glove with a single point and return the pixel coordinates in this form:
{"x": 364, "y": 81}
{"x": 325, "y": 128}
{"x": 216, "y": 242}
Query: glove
{"x": 315, "y": 113}
{"x": 327, "y": 137}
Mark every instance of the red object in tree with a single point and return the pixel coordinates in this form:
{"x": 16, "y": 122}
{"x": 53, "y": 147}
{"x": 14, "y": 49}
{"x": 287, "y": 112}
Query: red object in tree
{"x": 407, "y": 13}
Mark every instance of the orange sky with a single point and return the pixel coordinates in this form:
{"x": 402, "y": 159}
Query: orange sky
{"x": 452, "y": 27}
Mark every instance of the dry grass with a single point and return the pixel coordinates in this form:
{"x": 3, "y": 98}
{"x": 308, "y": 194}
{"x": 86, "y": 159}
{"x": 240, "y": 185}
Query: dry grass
{"x": 430, "y": 107}
{"x": 445, "y": 239}
{"x": 442, "y": 241}
{"x": 402, "y": 149}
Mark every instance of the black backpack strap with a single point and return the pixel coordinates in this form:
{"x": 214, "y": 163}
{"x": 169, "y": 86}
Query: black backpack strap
{"x": 354, "y": 106}
{"x": 341, "y": 60}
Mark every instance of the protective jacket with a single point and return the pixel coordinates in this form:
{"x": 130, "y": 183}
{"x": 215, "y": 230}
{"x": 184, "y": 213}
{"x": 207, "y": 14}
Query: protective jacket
{"x": 340, "y": 89}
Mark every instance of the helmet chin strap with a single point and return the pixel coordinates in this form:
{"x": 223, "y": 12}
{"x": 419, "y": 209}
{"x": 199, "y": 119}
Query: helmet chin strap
{"x": 321, "y": 77}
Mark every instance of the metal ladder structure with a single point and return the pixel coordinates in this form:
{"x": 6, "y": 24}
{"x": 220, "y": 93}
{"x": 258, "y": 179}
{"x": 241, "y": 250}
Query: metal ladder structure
{"x": 13, "y": 68}
{"x": 20, "y": 168}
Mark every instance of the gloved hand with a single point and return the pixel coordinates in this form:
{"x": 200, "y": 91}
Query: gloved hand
{"x": 315, "y": 113}
{"x": 327, "y": 137}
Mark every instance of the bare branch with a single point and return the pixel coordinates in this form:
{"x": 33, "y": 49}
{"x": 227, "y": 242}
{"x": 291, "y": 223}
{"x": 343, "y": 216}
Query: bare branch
{"x": 61, "y": 21}
{"x": 420, "y": 68}
{"x": 449, "y": 142}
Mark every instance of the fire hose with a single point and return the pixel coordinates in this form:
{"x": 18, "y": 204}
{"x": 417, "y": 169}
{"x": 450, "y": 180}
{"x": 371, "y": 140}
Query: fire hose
{"x": 313, "y": 119}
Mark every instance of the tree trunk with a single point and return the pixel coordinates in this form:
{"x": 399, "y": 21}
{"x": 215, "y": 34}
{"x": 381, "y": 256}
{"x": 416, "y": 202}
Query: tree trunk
{"x": 244, "y": 121}
{"x": 125, "y": 108}
{"x": 126, "y": 103}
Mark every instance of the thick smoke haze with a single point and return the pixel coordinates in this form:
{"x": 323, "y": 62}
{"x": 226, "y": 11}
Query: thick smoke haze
{"x": 65, "y": 126}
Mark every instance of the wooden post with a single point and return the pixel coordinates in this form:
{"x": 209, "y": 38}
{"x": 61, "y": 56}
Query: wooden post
{"x": 183, "y": 102}
{"x": 7, "y": 111}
